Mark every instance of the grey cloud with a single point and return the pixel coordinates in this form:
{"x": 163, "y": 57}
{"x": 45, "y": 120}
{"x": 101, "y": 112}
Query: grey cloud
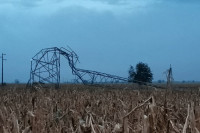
{"x": 45, "y": 7}
{"x": 20, "y": 3}
{"x": 112, "y": 1}
{"x": 182, "y": 1}
{"x": 187, "y": 1}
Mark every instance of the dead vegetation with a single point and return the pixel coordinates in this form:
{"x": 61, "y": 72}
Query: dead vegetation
{"x": 82, "y": 109}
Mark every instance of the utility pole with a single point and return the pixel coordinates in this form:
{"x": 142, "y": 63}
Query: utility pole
{"x": 2, "y": 58}
{"x": 169, "y": 77}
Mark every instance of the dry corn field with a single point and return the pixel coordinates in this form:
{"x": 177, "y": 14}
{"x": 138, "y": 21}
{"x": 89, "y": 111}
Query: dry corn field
{"x": 86, "y": 109}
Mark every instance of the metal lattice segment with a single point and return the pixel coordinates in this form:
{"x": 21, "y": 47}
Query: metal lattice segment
{"x": 45, "y": 68}
{"x": 93, "y": 77}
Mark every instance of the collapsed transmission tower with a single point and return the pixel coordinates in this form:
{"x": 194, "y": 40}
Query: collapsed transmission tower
{"x": 45, "y": 68}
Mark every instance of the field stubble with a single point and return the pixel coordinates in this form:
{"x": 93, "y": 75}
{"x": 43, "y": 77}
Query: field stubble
{"x": 86, "y": 109}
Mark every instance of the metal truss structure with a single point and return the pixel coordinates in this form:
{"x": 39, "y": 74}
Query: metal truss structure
{"x": 45, "y": 68}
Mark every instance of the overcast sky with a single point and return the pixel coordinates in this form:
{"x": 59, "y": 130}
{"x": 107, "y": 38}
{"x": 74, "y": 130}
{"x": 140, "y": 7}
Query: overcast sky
{"x": 108, "y": 35}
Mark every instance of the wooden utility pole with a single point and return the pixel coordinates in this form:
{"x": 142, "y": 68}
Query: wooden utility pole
{"x": 2, "y": 59}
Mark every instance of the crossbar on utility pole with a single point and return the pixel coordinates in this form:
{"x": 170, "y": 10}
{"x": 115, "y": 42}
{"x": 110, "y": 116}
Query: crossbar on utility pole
{"x": 2, "y": 59}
